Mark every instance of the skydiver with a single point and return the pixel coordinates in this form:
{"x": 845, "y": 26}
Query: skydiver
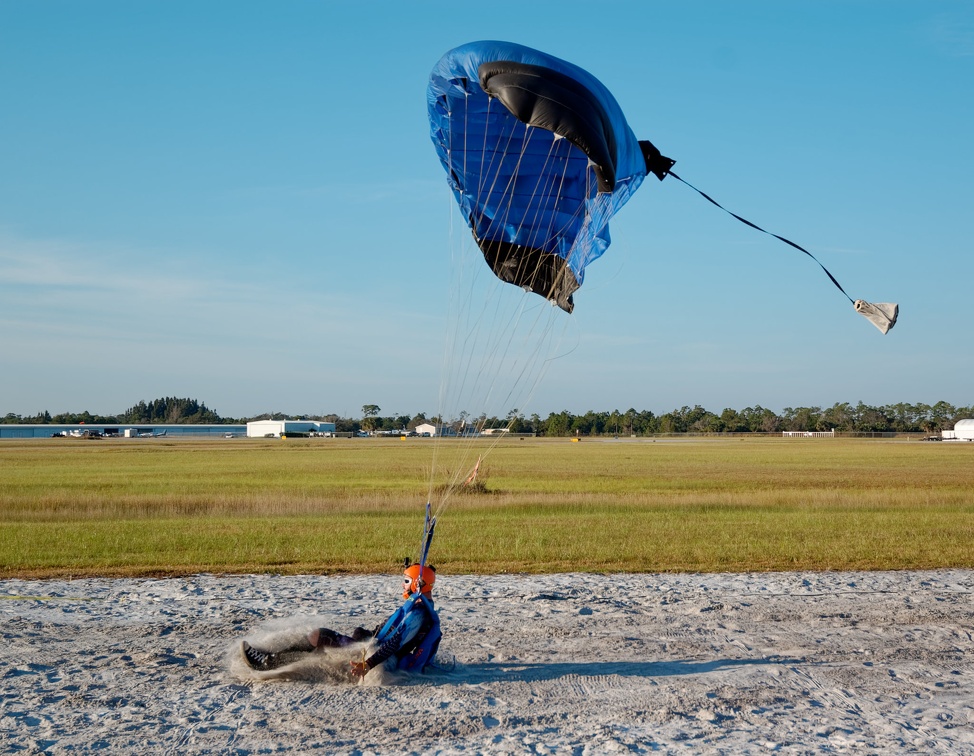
{"x": 410, "y": 635}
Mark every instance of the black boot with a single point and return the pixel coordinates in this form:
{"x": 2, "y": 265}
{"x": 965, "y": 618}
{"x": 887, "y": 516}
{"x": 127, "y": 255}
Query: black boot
{"x": 259, "y": 660}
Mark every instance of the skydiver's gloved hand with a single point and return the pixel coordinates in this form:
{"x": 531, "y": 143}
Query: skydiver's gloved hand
{"x": 359, "y": 668}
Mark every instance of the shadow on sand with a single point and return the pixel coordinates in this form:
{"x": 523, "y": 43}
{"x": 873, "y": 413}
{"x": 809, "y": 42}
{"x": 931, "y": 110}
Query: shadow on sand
{"x": 529, "y": 672}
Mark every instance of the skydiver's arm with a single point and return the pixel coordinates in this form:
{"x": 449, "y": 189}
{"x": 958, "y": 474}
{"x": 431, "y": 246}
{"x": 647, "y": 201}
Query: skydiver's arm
{"x": 410, "y": 625}
{"x": 387, "y": 649}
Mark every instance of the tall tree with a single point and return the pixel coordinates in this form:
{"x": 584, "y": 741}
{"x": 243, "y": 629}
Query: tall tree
{"x": 369, "y": 414}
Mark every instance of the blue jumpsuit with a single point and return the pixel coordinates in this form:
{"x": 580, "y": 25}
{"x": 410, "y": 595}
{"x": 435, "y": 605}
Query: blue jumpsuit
{"x": 411, "y": 635}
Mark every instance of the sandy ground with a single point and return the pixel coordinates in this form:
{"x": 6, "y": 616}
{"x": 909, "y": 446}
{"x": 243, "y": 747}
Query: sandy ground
{"x": 754, "y": 663}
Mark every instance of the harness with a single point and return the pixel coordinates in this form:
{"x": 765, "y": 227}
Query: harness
{"x": 419, "y": 650}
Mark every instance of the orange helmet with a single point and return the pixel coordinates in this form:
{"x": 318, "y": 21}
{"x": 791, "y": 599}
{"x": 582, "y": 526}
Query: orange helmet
{"x": 411, "y": 582}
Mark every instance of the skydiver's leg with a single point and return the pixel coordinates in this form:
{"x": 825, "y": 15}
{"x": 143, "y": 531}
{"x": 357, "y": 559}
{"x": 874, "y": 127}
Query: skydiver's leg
{"x": 361, "y": 634}
{"x": 263, "y": 660}
{"x": 325, "y": 638}
{"x": 316, "y": 640}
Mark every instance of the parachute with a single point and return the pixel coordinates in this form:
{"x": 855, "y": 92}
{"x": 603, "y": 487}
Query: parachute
{"x": 539, "y": 157}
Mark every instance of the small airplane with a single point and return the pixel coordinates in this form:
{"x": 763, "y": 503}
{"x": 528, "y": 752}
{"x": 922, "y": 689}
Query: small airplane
{"x": 85, "y": 433}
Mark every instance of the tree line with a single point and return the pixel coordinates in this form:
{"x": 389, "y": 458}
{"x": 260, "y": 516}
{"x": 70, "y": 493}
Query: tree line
{"x": 842, "y": 417}
{"x": 167, "y": 410}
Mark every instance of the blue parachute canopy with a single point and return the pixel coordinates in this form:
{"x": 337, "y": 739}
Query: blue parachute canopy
{"x": 539, "y": 156}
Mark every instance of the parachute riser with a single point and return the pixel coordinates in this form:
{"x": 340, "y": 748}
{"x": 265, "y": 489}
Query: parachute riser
{"x": 428, "y": 527}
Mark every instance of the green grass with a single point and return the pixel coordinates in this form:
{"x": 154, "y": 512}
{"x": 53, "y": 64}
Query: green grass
{"x": 127, "y": 507}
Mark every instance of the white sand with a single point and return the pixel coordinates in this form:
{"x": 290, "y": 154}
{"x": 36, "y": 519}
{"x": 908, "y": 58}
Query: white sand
{"x": 781, "y": 662}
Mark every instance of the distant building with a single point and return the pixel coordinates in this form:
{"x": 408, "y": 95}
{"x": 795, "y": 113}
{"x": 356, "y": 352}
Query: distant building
{"x": 428, "y": 429}
{"x": 283, "y": 428}
{"x": 963, "y": 431}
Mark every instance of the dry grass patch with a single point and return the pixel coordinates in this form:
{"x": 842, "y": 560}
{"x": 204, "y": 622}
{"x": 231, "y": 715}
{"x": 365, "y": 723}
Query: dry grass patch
{"x": 318, "y": 505}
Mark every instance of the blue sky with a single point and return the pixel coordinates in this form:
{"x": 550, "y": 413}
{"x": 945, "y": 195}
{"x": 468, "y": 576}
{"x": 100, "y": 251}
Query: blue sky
{"x": 239, "y": 202}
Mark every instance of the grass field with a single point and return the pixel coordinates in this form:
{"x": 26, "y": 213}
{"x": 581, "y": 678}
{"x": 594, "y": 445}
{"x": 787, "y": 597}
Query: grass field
{"x": 157, "y": 506}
